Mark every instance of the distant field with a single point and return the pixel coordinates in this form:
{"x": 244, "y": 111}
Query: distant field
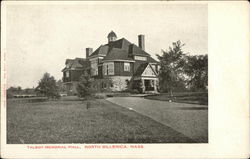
{"x": 187, "y": 97}
{"x": 69, "y": 121}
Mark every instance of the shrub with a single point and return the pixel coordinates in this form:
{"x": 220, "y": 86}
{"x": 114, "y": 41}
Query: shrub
{"x": 47, "y": 86}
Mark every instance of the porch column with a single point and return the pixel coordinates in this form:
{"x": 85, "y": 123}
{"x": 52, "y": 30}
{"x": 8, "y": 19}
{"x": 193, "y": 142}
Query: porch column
{"x": 143, "y": 85}
{"x": 155, "y": 88}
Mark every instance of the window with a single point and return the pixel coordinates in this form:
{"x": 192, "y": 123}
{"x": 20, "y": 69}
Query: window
{"x": 94, "y": 67}
{"x": 104, "y": 69}
{"x": 108, "y": 68}
{"x": 100, "y": 59}
{"x": 126, "y": 66}
{"x": 67, "y": 66}
{"x": 141, "y": 58}
{"x": 111, "y": 68}
{"x": 67, "y": 73}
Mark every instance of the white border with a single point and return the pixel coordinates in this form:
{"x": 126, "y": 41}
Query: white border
{"x": 228, "y": 45}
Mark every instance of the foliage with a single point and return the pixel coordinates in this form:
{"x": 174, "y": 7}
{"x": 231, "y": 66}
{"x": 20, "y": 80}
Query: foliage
{"x": 108, "y": 85}
{"x": 179, "y": 70}
{"x": 84, "y": 87}
{"x": 47, "y": 86}
{"x": 15, "y": 89}
{"x": 59, "y": 84}
{"x": 171, "y": 68}
{"x": 197, "y": 71}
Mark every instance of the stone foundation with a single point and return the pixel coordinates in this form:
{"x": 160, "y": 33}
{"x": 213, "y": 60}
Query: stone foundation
{"x": 120, "y": 83}
{"x": 113, "y": 83}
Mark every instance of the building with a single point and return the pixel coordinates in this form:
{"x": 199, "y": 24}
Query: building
{"x": 115, "y": 66}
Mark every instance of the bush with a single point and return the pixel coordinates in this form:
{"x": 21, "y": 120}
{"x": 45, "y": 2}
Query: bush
{"x": 84, "y": 87}
{"x": 47, "y": 86}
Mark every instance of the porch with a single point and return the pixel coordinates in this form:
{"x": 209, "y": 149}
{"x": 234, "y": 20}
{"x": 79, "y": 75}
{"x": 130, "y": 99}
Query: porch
{"x": 147, "y": 85}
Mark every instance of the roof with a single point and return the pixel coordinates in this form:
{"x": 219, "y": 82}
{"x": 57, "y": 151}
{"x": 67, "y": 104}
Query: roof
{"x": 142, "y": 68}
{"x": 111, "y": 34}
{"x": 135, "y": 50}
{"x": 77, "y": 63}
{"x": 152, "y": 60}
{"x": 121, "y": 49}
{"x": 117, "y": 54}
{"x": 123, "y": 44}
{"x": 120, "y": 44}
{"x": 102, "y": 50}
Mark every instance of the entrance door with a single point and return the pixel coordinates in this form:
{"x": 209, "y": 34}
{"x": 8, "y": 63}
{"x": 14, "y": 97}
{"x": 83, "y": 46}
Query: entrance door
{"x": 149, "y": 85}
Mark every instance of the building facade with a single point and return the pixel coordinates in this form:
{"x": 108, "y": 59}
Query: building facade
{"x": 115, "y": 66}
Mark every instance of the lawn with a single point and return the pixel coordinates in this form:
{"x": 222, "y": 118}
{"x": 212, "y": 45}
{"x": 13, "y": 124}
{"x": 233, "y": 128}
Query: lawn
{"x": 189, "y": 119}
{"x": 69, "y": 121}
{"x": 183, "y": 97}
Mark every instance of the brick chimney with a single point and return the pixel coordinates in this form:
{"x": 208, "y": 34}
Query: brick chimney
{"x": 88, "y": 52}
{"x": 141, "y": 42}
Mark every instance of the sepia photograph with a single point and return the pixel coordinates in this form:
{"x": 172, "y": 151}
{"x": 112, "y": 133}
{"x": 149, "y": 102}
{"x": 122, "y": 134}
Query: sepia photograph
{"x": 107, "y": 73}
{"x": 130, "y": 79}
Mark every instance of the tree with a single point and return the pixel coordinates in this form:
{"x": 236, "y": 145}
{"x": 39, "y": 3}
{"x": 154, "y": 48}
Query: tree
{"x": 197, "y": 70}
{"x": 47, "y": 86}
{"x": 84, "y": 87}
{"x": 171, "y": 74}
{"x": 59, "y": 84}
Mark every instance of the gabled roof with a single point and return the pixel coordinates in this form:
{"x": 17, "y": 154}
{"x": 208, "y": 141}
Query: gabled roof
{"x": 102, "y": 50}
{"x": 77, "y": 63}
{"x": 141, "y": 69}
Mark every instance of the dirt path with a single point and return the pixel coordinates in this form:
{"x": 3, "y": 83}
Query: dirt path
{"x": 189, "y": 119}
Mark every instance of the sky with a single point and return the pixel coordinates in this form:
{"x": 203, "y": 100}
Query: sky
{"x": 39, "y": 38}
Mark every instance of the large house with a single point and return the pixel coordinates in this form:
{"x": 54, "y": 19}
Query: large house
{"x": 115, "y": 66}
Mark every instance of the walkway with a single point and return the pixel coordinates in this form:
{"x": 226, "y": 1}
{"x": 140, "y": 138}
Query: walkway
{"x": 189, "y": 119}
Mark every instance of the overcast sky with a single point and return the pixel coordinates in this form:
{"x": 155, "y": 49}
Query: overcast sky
{"x": 41, "y": 37}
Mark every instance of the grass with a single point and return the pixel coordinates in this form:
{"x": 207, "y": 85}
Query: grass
{"x": 69, "y": 121}
{"x": 186, "y": 97}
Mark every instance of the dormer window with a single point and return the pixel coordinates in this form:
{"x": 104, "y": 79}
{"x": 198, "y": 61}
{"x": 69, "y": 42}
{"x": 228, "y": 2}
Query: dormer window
{"x": 67, "y": 65}
{"x": 67, "y": 73}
